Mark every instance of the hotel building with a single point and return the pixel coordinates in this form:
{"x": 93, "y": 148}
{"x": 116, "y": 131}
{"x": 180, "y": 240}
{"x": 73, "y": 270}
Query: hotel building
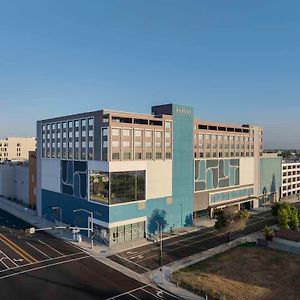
{"x": 134, "y": 170}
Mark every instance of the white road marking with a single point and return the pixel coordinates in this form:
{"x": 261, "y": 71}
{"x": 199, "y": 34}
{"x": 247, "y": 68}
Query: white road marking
{"x": 157, "y": 297}
{"x": 132, "y": 262}
{"x": 41, "y": 261}
{"x": 43, "y": 267}
{"x": 51, "y": 247}
{"x": 8, "y": 259}
{"x": 1, "y": 260}
{"x": 38, "y": 250}
{"x": 18, "y": 259}
{"x": 134, "y": 296}
{"x": 126, "y": 293}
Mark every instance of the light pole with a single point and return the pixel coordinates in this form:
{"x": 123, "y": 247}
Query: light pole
{"x": 92, "y": 224}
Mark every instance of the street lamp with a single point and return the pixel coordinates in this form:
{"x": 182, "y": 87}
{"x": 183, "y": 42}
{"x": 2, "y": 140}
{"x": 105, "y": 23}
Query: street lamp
{"x": 92, "y": 223}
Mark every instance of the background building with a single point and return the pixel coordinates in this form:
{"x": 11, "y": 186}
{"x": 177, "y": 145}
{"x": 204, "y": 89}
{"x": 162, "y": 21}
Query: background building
{"x": 290, "y": 178}
{"x": 16, "y": 148}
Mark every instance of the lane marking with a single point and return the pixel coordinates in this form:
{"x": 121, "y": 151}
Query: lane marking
{"x": 160, "y": 293}
{"x": 1, "y": 260}
{"x": 132, "y": 262}
{"x": 156, "y": 297}
{"x": 44, "y": 254}
{"x": 51, "y": 247}
{"x": 133, "y": 296}
{"x": 43, "y": 267}
{"x": 126, "y": 293}
{"x": 17, "y": 249}
{"x": 9, "y": 259}
{"x": 41, "y": 261}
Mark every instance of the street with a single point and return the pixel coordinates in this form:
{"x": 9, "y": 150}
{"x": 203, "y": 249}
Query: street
{"x": 146, "y": 258}
{"x": 41, "y": 266}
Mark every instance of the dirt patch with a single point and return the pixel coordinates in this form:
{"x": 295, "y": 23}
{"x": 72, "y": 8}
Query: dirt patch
{"x": 245, "y": 273}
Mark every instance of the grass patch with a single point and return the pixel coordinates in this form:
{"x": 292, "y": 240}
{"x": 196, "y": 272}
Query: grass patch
{"x": 245, "y": 272}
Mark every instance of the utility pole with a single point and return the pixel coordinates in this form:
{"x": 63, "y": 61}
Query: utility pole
{"x": 161, "y": 255}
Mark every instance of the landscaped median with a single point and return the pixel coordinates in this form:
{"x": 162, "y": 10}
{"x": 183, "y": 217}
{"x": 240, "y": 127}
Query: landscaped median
{"x": 244, "y": 272}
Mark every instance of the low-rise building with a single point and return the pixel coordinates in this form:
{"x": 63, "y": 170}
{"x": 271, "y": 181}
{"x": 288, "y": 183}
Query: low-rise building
{"x": 16, "y": 148}
{"x": 290, "y": 178}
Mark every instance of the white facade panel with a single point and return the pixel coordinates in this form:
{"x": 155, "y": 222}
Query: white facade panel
{"x": 159, "y": 179}
{"x": 247, "y": 170}
{"x": 120, "y": 166}
{"x": 50, "y": 172}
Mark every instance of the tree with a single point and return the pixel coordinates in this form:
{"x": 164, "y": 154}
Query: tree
{"x": 283, "y": 218}
{"x": 287, "y": 215}
{"x": 230, "y": 220}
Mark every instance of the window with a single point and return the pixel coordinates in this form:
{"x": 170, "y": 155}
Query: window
{"x": 115, "y": 156}
{"x": 76, "y": 123}
{"x": 158, "y": 144}
{"x": 138, "y": 155}
{"x": 138, "y": 144}
{"x": 70, "y": 124}
{"x": 115, "y": 143}
{"x": 115, "y": 132}
{"x": 168, "y": 124}
{"x": 99, "y": 187}
{"x": 168, "y": 145}
{"x": 126, "y": 132}
{"x": 126, "y": 144}
{"x": 137, "y": 133}
{"x": 64, "y": 125}
{"x": 127, "y": 186}
{"x": 91, "y": 122}
{"x": 104, "y": 132}
{"x": 168, "y": 155}
{"x": 158, "y": 155}
{"x": 83, "y": 122}
{"x": 158, "y": 134}
{"x": 168, "y": 134}
{"x": 127, "y": 155}
{"x": 148, "y": 144}
{"x": 149, "y": 155}
{"x": 148, "y": 134}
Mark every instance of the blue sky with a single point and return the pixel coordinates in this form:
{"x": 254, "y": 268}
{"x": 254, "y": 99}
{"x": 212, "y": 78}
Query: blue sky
{"x": 234, "y": 61}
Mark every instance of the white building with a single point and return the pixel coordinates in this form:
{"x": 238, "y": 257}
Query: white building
{"x": 290, "y": 178}
{"x": 16, "y": 148}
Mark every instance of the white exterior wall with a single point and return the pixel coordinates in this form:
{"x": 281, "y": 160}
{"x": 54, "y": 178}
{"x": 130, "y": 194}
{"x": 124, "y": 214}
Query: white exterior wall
{"x": 14, "y": 182}
{"x": 247, "y": 170}
{"x": 22, "y": 184}
{"x": 50, "y": 174}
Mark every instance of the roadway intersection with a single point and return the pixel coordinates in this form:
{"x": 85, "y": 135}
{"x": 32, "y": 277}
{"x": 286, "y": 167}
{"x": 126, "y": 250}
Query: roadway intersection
{"x": 41, "y": 266}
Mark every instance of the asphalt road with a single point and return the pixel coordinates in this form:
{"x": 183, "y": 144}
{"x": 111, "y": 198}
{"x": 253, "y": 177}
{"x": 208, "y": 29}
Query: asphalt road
{"x": 146, "y": 258}
{"x": 44, "y": 267}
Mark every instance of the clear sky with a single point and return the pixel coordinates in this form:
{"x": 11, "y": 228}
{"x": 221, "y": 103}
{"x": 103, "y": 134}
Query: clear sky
{"x": 234, "y": 61}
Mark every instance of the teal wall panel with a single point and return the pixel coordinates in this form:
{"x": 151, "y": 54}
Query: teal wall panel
{"x": 270, "y": 175}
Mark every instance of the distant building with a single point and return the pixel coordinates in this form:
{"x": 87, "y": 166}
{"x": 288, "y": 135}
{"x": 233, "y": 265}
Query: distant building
{"x": 16, "y": 148}
{"x": 290, "y": 178}
{"x": 18, "y": 181}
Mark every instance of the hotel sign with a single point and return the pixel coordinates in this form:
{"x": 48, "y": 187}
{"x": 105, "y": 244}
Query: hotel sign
{"x": 183, "y": 110}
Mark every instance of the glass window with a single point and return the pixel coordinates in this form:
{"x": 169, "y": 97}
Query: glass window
{"x": 64, "y": 125}
{"x": 91, "y": 132}
{"x": 138, "y": 155}
{"x": 126, "y": 155}
{"x": 158, "y": 134}
{"x": 148, "y": 144}
{"x": 148, "y": 134}
{"x": 168, "y": 124}
{"x": 126, "y": 144}
{"x": 137, "y": 132}
{"x": 115, "y": 132}
{"x": 158, "y": 155}
{"x": 70, "y": 124}
{"x": 126, "y": 132}
{"x": 138, "y": 144}
{"x": 115, "y": 143}
{"x": 83, "y": 122}
{"x": 127, "y": 186}
{"x": 168, "y": 134}
{"x": 76, "y": 123}
{"x": 115, "y": 156}
{"x": 99, "y": 186}
{"x": 91, "y": 122}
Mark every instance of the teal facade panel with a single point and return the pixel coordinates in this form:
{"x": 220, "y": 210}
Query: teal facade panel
{"x": 270, "y": 175}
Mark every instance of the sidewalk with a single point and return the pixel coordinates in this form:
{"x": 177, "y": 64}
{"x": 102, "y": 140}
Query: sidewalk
{"x": 164, "y": 280}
